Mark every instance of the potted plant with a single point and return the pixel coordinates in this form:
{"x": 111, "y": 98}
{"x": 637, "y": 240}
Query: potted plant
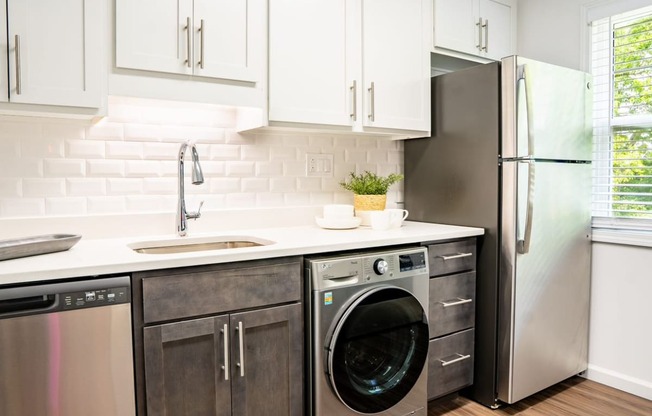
{"x": 369, "y": 190}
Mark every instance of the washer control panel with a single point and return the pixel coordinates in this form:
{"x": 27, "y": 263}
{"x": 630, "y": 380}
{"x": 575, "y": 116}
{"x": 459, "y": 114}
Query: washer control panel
{"x": 346, "y": 270}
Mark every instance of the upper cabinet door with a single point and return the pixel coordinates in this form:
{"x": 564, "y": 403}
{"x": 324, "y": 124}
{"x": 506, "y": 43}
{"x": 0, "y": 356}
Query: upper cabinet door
{"x": 223, "y": 38}
{"x": 310, "y": 61}
{"x": 456, "y": 25}
{"x": 55, "y": 52}
{"x": 498, "y": 35}
{"x": 396, "y": 64}
{"x": 154, "y": 35}
{"x": 4, "y": 88}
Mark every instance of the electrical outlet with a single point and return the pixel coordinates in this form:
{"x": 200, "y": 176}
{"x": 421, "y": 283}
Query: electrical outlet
{"x": 319, "y": 164}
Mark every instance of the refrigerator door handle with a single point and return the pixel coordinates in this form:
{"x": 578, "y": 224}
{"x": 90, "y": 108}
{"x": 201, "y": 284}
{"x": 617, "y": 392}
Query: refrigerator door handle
{"x": 522, "y": 82}
{"x": 523, "y": 244}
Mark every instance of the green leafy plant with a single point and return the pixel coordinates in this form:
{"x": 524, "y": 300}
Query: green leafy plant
{"x": 369, "y": 183}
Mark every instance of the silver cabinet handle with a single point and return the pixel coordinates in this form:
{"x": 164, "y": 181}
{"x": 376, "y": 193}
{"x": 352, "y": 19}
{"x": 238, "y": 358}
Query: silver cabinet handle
{"x": 188, "y": 43}
{"x": 458, "y": 301}
{"x": 372, "y": 111}
{"x": 459, "y": 358}
{"x": 19, "y": 88}
{"x": 479, "y": 25}
{"x": 455, "y": 256}
{"x": 354, "y": 106}
{"x": 225, "y": 367}
{"x": 486, "y": 35}
{"x": 241, "y": 364}
{"x": 201, "y": 44}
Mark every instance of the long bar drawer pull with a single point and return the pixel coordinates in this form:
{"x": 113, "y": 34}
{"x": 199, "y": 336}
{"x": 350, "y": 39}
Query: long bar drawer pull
{"x": 455, "y": 256}
{"x": 225, "y": 367}
{"x": 459, "y": 301}
{"x": 459, "y": 358}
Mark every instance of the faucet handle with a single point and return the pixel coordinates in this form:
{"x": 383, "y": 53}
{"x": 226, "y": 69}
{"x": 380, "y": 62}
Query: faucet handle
{"x": 195, "y": 215}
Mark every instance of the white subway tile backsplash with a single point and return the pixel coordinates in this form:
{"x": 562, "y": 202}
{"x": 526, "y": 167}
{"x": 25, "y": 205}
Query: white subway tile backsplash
{"x": 105, "y": 130}
{"x": 105, "y": 168}
{"x": 162, "y": 151}
{"x": 86, "y": 149}
{"x": 283, "y": 184}
{"x": 252, "y": 152}
{"x": 41, "y": 187}
{"x": 160, "y": 186}
{"x": 124, "y": 150}
{"x": 21, "y": 168}
{"x": 65, "y": 206}
{"x": 255, "y": 184}
{"x": 242, "y": 169}
{"x": 106, "y": 205}
{"x": 142, "y": 132}
{"x": 22, "y": 207}
{"x": 42, "y": 147}
{"x": 23, "y": 130}
{"x": 63, "y": 168}
{"x": 124, "y": 186}
{"x": 269, "y": 169}
{"x": 142, "y": 168}
{"x": 10, "y": 187}
{"x": 222, "y": 152}
{"x": 86, "y": 186}
{"x": 65, "y": 129}
{"x": 224, "y": 185}
{"x": 127, "y": 162}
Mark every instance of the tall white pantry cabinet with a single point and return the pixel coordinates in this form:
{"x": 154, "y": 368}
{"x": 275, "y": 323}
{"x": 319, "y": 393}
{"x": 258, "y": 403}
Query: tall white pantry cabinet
{"x": 362, "y": 65}
{"x": 51, "y": 52}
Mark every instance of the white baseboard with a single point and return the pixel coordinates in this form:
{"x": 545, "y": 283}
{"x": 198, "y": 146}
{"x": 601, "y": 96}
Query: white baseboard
{"x": 632, "y": 385}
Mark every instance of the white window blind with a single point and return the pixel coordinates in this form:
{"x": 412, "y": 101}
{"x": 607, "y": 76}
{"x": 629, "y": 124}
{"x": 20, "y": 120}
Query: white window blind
{"x": 621, "y": 62}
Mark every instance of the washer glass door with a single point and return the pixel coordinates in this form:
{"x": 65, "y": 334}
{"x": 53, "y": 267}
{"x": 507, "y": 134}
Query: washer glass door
{"x": 378, "y": 349}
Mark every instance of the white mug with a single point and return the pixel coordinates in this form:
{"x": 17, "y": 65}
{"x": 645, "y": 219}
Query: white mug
{"x": 397, "y": 216}
{"x": 380, "y": 220}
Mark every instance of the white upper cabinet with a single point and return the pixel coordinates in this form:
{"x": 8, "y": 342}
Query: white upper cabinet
{"x": 206, "y": 38}
{"x": 477, "y": 28}
{"x": 350, "y": 65}
{"x": 52, "y": 52}
{"x": 4, "y": 75}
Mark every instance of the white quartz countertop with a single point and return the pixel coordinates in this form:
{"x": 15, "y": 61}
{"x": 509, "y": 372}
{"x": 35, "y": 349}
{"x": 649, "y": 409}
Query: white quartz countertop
{"x": 91, "y": 257}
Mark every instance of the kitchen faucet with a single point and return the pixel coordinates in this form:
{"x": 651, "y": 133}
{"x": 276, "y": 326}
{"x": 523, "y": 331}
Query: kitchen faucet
{"x": 197, "y": 179}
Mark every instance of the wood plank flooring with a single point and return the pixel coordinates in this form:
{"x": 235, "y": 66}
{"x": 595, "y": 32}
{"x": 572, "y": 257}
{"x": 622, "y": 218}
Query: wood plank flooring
{"x": 573, "y": 397}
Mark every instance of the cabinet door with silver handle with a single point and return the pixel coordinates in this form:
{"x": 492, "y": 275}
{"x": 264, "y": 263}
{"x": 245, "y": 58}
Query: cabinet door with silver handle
{"x": 269, "y": 342}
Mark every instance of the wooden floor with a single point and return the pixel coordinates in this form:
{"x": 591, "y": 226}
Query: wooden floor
{"x": 573, "y": 397}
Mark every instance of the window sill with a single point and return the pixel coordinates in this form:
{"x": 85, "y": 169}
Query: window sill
{"x": 624, "y": 237}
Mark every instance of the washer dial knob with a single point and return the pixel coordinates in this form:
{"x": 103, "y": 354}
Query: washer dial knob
{"x": 381, "y": 266}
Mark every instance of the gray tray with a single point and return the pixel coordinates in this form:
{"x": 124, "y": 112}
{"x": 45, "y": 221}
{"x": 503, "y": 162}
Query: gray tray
{"x": 33, "y": 246}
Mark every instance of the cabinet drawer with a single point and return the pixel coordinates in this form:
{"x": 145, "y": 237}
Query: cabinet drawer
{"x": 452, "y": 303}
{"x": 457, "y": 256}
{"x": 203, "y": 292}
{"x": 450, "y": 363}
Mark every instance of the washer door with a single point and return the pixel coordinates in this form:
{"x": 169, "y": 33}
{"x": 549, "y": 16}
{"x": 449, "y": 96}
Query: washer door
{"x": 378, "y": 349}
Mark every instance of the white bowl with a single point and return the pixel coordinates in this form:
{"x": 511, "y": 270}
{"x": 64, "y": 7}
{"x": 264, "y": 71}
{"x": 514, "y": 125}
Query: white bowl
{"x": 337, "y": 223}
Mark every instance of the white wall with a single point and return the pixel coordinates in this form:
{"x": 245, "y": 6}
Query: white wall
{"x": 126, "y": 163}
{"x": 620, "y": 338}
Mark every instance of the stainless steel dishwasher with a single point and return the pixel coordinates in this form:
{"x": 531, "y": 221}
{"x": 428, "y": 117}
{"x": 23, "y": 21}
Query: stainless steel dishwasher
{"x": 65, "y": 349}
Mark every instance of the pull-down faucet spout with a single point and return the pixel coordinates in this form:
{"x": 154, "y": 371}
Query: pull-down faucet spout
{"x": 197, "y": 179}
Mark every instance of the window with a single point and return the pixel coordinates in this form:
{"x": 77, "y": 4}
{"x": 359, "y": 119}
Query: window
{"x": 621, "y": 63}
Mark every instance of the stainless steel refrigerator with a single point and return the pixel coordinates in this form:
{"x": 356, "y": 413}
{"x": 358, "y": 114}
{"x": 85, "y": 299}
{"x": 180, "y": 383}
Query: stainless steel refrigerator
{"x": 510, "y": 152}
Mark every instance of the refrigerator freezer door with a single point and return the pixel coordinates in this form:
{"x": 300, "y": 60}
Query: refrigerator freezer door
{"x": 546, "y": 111}
{"x": 544, "y": 305}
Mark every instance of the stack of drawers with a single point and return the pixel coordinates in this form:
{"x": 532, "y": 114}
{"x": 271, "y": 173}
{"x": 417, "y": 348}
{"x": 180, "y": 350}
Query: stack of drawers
{"x": 451, "y": 316}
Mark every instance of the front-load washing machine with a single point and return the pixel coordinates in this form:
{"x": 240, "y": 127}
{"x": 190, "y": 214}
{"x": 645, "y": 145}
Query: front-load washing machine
{"x": 368, "y": 333}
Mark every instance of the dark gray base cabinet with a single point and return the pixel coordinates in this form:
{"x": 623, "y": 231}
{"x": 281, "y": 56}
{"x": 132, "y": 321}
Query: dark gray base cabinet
{"x": 248, "y": 361}
{"x": 451, "y": 316}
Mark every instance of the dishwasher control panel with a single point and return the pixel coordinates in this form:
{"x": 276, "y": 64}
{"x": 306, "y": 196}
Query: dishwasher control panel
{"x": 93, "y": 298}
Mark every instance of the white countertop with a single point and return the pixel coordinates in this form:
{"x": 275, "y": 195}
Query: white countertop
{"x": 92, "y": 257}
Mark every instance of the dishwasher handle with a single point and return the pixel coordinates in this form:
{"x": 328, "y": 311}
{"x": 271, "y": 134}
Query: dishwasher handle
{"x": 27, "y": 304}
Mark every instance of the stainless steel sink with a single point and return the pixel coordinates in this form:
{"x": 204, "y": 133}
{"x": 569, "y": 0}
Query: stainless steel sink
{"x": 188, "y": 245}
